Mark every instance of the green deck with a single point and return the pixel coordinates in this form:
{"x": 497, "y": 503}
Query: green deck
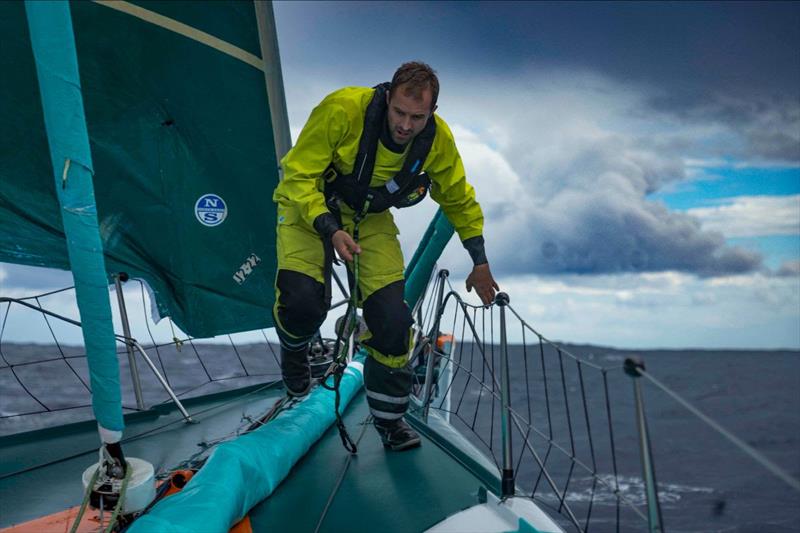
{"x": 380, "y": 491}
{"x": 407, "y": 491}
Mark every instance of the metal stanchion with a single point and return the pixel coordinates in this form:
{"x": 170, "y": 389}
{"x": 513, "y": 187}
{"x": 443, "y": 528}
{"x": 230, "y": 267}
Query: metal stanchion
{"x": 507, "y": 480}
{"x": 126, "y": 330}
{"x": 428, "y": 389}
{"x": 654, "y": 518}
{"x": 161, "y": 379}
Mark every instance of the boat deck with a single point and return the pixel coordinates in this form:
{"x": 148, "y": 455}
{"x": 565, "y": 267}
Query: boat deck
{"x": 379, "y": 490}
{"x": 375, "y": 490}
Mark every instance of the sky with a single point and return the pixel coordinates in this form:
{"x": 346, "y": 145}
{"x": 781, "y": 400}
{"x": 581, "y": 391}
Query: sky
{"x": 638, "y": 164}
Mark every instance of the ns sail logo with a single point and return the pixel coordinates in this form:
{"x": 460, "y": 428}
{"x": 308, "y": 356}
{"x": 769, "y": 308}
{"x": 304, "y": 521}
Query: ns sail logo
{"x": 210, "y": 210}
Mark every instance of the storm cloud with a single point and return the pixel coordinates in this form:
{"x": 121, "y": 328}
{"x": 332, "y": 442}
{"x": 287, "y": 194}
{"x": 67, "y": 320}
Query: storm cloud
{"x": 565, "y": 182}
{"x": 592, "y": 217}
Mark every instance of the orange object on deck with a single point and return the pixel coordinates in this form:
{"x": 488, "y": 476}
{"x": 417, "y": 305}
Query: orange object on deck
{"x": 443, "y": 339}
{"x": 62, "y": 521}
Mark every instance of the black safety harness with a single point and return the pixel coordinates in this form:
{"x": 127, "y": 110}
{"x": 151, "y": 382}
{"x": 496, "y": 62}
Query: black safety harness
{"x": 407, "y": 188}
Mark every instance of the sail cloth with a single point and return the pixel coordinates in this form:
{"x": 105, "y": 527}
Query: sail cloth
{"x": 183, "y": 151}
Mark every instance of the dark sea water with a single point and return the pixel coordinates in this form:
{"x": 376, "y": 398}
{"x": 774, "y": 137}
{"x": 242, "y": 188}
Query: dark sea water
{"x": 705, "y": 483}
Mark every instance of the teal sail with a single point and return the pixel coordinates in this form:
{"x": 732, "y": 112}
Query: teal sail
{"x": 183, "y": 155}
{"x": 57, "y": 69}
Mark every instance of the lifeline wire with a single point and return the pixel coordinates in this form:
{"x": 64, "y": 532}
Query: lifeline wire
{"x": 746, "y": 448}
{"x": 66, "y": 359}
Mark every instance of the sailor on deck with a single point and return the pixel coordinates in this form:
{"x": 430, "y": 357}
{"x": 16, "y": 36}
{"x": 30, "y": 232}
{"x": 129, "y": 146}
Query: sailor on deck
{"x": 362, "y": 151}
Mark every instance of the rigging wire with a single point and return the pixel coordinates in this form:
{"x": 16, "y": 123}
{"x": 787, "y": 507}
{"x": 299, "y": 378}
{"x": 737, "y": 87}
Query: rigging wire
{"x": 754, "y": 454}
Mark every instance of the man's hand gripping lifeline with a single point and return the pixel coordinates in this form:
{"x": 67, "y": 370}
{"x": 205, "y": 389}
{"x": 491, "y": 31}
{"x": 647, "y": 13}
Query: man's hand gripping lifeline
{"x": 481, "y": 279}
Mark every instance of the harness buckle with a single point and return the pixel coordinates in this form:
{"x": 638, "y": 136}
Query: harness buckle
{"x": 330, "y": 174}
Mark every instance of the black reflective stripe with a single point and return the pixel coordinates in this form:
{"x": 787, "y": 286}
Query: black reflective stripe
{"x": 395, "y": 382}
{"x": 385, "y": 415}
{"x": 386, "y": 404}
{"x": 385, "y": 398}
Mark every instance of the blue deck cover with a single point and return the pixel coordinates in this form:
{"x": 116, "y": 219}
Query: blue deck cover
{"x": 242, "y": 472}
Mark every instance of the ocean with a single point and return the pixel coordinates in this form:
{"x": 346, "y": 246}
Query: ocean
{"x": 705, "y": 483}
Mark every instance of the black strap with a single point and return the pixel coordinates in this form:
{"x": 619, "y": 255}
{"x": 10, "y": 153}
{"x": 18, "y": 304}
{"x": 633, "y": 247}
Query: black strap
{"x": 327, "y": 271}
{"x": 368, "y": 145}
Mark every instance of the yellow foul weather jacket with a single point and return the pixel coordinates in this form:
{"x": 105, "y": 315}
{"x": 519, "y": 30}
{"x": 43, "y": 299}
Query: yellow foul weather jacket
{"x": 332, "y": 135}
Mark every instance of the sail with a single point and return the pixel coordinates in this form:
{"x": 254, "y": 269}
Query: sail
{"x": 183, "y": 155}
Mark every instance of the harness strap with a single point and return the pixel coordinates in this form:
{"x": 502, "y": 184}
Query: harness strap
{"x": 327, "y": 271}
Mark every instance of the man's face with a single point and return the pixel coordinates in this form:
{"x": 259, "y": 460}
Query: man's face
{"x": 407, "y": 115}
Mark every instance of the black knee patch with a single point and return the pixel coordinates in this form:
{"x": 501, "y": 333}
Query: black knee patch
{"x": 380, "y": 378}
{"x": 302, "y": 305}
{"x": 388, "y": 319}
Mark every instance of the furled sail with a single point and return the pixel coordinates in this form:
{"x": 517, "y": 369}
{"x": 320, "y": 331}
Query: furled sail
{"x": 183, "y": 152}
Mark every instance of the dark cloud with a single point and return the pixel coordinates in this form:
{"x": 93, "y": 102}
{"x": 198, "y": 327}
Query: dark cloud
{"x": 735, "y": 64}
{"x": 768, "y": 128}
{"x": 599, "y": 234}
{"x": 789, "y": 269}
{"x": 744, "y": 47}
{"x": 586, "y": 212}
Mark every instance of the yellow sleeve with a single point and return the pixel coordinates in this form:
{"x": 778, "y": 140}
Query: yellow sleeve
{"x": 307, "y": 160}
{"x": 449, "y": 187}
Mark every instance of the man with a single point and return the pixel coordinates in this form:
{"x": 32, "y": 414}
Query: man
{"x": 362, "y": 151}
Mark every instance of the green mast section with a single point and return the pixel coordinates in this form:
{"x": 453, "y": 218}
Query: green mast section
{"x": 419, "y": 269}
{"x": 56, "y": 60}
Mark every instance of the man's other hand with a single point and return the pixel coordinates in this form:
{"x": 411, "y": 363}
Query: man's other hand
{"x": 483, "y": 282}
{"x": 345, "y": 245}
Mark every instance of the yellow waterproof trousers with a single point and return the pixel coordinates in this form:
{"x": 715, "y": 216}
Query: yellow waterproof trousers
{"x": 301, "y": 303}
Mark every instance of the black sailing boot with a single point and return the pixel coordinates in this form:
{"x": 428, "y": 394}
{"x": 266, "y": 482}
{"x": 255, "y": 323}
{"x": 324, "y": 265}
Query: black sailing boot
{"x": 397, "y": 435}
{"x": 296, "y": 371}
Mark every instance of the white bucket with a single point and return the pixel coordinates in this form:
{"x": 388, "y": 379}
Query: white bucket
{"x": 141, "y": 486}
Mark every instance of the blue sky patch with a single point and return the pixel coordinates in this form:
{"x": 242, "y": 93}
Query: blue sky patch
{"x": 716, "y": 183}
{"x": 776, "y": 249}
